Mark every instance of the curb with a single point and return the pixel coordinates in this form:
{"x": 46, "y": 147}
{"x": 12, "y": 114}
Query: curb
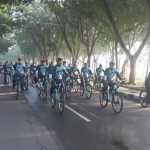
{"x": 131, "y": 96}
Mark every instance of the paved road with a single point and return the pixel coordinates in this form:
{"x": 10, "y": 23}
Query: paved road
{"x": 101, "y": 129}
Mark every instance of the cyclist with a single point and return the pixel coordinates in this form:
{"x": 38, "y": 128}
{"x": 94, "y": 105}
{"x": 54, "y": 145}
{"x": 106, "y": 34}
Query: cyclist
{"x": 1, "y": 67}
{"x": 19, "y": 71}
{"x": 85, "y": 72}
{"x": 41, "y": 70}
{"x": 57, "y": 75}
{"x": 67, "y": 68}
{"x": 98, "y": 73}
{"x": 108, "y": 77}
{"x": 33, "y": 69}
{"x": 147, "y": 86}
{"x": 51, "y": 67}
{"x": 7, "y": 71}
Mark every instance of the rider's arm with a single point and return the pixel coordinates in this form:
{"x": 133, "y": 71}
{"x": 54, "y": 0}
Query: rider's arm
{"x": 78, "y": 71}
{"x": 118, "y": 75}
{"x": 37, "y": 70}
{"x": 106, "y": 74}
{"x": 90, "y": 72}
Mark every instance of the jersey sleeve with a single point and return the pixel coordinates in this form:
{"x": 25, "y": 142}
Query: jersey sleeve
{"x": 106, "y": 74}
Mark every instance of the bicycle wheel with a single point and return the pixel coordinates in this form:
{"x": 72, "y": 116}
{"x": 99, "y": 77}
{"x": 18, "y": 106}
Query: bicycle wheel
{"x": 103, "y": 102}
{"x": 60, "y": 103}
{"x": 142, "y": 98}
{"x": 117, "y": 103}
{"x": 88, "y": 92}
{"x": 81, "y": 91}
{"x": 76, "y": 87}
{"x": 53, "y": 102}
{"x": 68, "y": 92}
{"x": 38, "y": 91}
{"x": 25, "y": 84}
{"x": 44, "y": 91}
{"x": 17, "y": 90}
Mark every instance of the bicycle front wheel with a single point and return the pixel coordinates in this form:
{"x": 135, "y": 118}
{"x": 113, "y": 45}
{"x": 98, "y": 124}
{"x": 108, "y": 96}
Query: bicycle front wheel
{"x": 88, "y": 92}
{"x": 44, "y": 91}
{"x": 76, "y": 87}
{"x": 68, "y": 92}
{"x": 142, "y": 98}
{"x": 53, "y": 102}
{"x": 17, "y": 90}
{"x": 60, "y": 103}
{"x": 117, "y": 103}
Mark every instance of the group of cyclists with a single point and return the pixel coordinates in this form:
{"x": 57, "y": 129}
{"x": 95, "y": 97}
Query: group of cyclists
{"x": 60, "y": 73}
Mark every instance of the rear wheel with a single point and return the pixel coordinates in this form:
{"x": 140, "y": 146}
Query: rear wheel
{"x": 39, "y": 91}
{"x": 53, "y": 102}
{"x": 117, "y": 103}
{"x": 142, "y": 98}
{"x": 103, "y": 101}
{"x": 76, "y": 87}
{"x": 26, "y": 83}
{"x": 88, "y": 92}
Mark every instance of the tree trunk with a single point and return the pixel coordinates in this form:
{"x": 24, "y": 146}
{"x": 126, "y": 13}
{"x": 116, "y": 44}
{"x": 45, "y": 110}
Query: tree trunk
{"x": 132, "y": 70}
{"x": 89, "y": 60}
{"x": 124, "y": 67}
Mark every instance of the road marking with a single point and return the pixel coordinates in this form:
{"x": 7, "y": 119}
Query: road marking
{"x": 86, "y": 119}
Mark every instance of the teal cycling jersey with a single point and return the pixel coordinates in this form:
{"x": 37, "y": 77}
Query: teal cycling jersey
{"x": 110, "y": 73}
{"x": 99, "y": 71}
{"x": 7, "y": 68}
{"x": 33, "y": 67}
{"x": 74, "y": 70}
{"x": 86, "y": 71}
{"x": 59, "y": 72}
{"x": 41, "y": 70}
{"x": 19, "y": 69}
{"x": 50, "y": 69}
{"x": 28, "y": 68}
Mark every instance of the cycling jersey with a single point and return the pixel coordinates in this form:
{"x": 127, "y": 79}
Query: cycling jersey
{"x": 41, "y": 70}
{"x": 1, "y": 66}
{"x": 74, "y": 70}
{"x": 58, "y": 73}
{"x": 28, "y": 68}
{"x": 7, "y": 68}
{"x": 85, "y": 71}
{"x": 147, "y": 81}
{"x": 110, "y": 73}
{"x": 33, "y": 67}
{"x": 50, "y": 69}
{"x": 99, "y": 71}
{"x": 19, "y": 69}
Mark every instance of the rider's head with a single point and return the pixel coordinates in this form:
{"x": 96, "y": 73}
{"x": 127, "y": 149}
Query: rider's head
{"x": 74, "y": 65}
{"x": 26, "y": 63}
{"x": 52, "y": 63}
{"x": 33, "y": 63}
{"x": 20, "y": 60}
{"x": 64, "y": 63}
{"x": 100, "y": 66}
{"x": 59, "y": 61}
{"x": 85, "y": 65}
{"x": 6, "y": 62}
{"x": 112, "y": 65}
{"x": 43, "y": 62}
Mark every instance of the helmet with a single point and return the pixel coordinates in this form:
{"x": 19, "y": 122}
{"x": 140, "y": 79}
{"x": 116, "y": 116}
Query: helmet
{"x": 64, "y": 62}
{"x": 59, "y": 59}
{"x": 42, "y": 60}
{"x": 112, "y": 63}
{"x": 19, "y": 58}
{"x": 100, "y": 65}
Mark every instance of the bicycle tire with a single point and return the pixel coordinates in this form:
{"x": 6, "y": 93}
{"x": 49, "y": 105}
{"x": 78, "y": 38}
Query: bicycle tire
{"x": 88, "y": 88}
{"x": 60, "y": 103}
{"x": 76, "y": 87}
{"x": 103, "y": 105}
{"x": 44, "y": 91}
{"x": 114, "y": 102}
{"x": 68, "y": 92}
{"x": 81, "y": 91}
{"x": 17, "y": 91}
{"x": 141, "y": 98}
{"x": 53, "y": 102}
{"x": 39, "y": 92}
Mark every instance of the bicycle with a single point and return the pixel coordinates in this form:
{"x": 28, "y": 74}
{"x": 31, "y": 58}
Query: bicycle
{"x": 58, "y": 99}
{"x": 113, "y": 96}
{"x": 97, "y": 86}
{"x": 42, "y": 87}
{"x": 86, "y": 88}
{"x": 18, "y": 90}
{"x": 142, "y": 98}
{"x": 67, "y": 89}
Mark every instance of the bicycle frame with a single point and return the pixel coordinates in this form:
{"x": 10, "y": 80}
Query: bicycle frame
{"x": 57, "y": 91}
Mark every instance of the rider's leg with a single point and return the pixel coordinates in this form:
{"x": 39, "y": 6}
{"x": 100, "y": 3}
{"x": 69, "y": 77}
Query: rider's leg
{"x": 14, "y": 80}
{"x": 105, "y": 86}
{"x": 53, "y": 86}
{"x": 95, "y": 81}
